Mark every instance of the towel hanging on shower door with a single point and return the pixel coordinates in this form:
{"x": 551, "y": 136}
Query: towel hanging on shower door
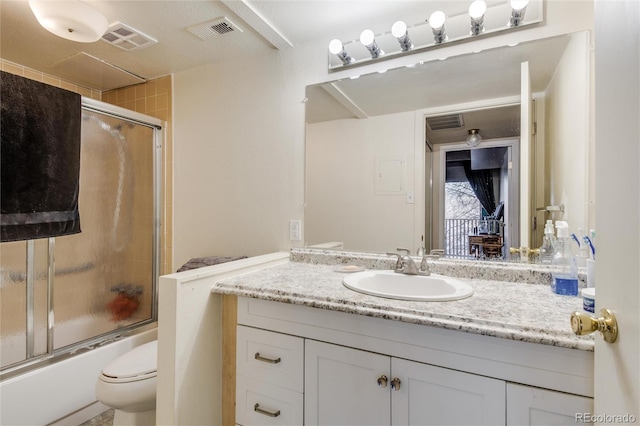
{"x": 40, "y": 159}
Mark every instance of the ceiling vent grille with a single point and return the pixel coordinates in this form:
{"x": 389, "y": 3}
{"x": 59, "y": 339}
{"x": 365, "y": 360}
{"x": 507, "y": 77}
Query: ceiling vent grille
{"x": 217, "y": 27}
{"x": 127, "y": 38}
{"x": 443, "y": 122}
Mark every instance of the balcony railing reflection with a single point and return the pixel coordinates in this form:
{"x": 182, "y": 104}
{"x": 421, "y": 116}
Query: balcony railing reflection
{"x": 456, "y": 237}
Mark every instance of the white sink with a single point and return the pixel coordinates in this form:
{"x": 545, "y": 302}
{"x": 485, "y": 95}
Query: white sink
{"x": 394, "y": 285}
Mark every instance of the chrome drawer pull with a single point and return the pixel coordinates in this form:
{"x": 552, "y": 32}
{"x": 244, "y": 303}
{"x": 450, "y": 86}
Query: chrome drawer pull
{"x": 265, "y": 359}
{"x": 257, "y": 409}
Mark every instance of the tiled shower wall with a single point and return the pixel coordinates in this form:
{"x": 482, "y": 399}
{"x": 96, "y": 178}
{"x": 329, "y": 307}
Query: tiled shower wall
{"x": 151, "y": 98}
{"x": 154, "y": 98}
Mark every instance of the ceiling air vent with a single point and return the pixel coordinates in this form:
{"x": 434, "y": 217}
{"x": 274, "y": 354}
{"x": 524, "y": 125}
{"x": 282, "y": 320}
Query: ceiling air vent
{"x": 443, "y": 122}
{"x": 127, "y": 38}
{"x": 216, "y": 27}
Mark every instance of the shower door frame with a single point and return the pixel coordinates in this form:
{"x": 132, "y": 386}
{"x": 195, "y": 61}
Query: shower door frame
{"x": 55, "y": 355}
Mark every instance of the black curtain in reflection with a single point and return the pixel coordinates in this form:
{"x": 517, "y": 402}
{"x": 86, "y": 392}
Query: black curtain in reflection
{"x": 481, "y": 182}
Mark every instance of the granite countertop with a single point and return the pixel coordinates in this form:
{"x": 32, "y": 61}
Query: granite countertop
{"x": 528, "y": 312}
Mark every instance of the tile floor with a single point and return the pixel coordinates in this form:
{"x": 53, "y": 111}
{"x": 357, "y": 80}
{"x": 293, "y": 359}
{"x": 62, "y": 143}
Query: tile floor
{"x": 104, "y": 419}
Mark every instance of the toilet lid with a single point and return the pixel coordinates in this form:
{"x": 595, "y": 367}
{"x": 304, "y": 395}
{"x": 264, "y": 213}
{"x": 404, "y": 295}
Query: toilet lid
{"x": 140, "y": 361}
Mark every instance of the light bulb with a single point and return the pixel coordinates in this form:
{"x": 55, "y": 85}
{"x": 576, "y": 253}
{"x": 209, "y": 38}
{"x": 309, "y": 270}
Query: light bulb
{"x": 476, "y": 13}
{"x": 399, "y": 29}
{"x": 519, "y": 5}
{"x": 367, "y": 38}
{"x": 436, "y": 20}
{"x": 474, "y": 138}
{"x": 477, "y": 9}
{"x": 335, "y": 46}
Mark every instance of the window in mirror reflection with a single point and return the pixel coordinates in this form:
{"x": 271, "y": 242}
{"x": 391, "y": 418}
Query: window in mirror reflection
{"x": 475, "y": 189}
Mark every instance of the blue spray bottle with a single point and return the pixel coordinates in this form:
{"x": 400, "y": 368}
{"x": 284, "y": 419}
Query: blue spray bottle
{"x": 565, "y": 278}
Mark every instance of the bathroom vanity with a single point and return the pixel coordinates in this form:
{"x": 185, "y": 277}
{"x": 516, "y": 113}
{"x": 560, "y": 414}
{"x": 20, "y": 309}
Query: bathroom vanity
{"x": 311, "y": 351}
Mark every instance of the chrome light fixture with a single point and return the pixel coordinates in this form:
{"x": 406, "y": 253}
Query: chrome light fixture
{"x": 474, "y": 138}
{"x": 336, "y": 47}
{"x": 70, "y": 19}
{"x": 476, "y": 13}
{"x": 399, "y": 31}
{"x": 368, "y": 40}
{"x": 518, "y": 7}
{"x": 436, "y": 21}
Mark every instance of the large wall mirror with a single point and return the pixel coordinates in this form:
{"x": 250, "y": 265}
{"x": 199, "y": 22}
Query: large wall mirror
{"x": 384, "y": 150}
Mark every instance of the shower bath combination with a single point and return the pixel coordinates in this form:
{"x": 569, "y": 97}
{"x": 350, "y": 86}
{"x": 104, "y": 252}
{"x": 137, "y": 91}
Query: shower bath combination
{"x": 103, "y": 281}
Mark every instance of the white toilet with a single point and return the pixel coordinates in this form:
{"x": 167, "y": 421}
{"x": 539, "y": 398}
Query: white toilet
{"x": 128, "y": 384}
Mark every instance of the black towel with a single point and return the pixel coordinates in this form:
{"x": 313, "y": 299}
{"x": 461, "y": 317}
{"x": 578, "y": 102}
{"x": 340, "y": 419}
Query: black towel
{"x": 40, "y": 159}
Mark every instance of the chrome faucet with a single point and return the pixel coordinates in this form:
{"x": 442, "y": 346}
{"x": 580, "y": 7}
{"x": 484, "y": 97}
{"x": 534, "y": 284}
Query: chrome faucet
{"x": 404, "y": 263}
{"x": 424, "y": 265}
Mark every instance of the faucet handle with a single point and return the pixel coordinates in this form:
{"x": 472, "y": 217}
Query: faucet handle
{"x": 398, "y": 260}
{"x": 406, "y": 251}
{"x": 424, "y": 265}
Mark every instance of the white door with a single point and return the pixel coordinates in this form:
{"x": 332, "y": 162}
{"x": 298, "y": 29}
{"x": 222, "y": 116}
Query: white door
{"x": 526, "y": 154}
{"x": 617, "y": 114}
{"x": 341, "y": 386}
{"x": 429, "y": 395}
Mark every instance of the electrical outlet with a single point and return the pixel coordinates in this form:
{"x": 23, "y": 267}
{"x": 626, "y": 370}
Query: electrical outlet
{"x": 410, "y": 197}
{"x": 295, "y": 230}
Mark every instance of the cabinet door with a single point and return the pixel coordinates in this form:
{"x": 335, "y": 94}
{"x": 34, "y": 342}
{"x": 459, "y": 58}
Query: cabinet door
{"x": 430, "y": 395}
{"x": 341, "y": 386}
{"x": 527, "y": 405}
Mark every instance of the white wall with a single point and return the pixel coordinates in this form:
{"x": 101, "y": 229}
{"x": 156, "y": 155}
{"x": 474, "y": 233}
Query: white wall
{"x": 567, "y": 134}
{"x": 343, "y": 201}
{"x": 239, "y": 138}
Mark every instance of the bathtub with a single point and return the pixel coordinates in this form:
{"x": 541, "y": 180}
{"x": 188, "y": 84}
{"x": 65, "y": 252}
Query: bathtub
{"x": 62, "y": 392}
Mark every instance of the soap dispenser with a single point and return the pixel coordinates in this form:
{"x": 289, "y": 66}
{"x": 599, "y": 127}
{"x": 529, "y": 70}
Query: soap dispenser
{"x": 548, "y": 248}
{"x": 565, "y": 278}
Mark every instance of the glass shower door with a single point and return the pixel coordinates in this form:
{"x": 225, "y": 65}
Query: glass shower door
{"x": 105, "y": 275}
{"x": 62, "y": 293}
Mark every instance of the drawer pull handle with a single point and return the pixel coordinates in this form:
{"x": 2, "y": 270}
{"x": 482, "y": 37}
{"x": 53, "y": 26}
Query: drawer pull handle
{"x": 265, "y": 359}
{"x": 257, "y": 409}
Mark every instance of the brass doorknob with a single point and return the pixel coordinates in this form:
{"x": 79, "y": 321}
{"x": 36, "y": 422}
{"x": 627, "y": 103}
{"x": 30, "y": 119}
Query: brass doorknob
{"x": 584, "y": 324}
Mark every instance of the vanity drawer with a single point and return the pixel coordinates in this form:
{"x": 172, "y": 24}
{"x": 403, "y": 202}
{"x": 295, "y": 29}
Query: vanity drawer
{"x": 270, "y": 357}
{"x": 262, "y": 403}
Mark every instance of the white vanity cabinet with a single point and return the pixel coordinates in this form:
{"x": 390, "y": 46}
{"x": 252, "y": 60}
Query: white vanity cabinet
{"x": 531, "y": 406}
{"x": 341, "y": 368}
{"x": 269, "y": 378}
{"x": 341, "y": 386}
{"x": 354, "y": 387}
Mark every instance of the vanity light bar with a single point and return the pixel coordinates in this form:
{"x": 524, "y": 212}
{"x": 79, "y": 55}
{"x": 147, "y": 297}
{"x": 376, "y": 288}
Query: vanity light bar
{"x": 436, "y": 23}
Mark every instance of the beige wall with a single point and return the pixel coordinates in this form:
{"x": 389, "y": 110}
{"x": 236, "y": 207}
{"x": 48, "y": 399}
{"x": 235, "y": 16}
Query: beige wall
{"x": 346, "y": 200}
{"x": 567, "y": 135}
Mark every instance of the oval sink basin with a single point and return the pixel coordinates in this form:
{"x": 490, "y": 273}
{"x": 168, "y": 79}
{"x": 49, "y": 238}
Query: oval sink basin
{"x": 393, "y": 285}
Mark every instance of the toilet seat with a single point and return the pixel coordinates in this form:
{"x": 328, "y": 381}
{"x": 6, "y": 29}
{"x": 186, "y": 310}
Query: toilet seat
{"x": 141, "y": 363}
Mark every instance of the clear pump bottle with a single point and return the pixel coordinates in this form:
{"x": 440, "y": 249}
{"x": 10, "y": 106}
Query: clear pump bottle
{"x": 548, "y": 248}
{"x": 565, "y": 279}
